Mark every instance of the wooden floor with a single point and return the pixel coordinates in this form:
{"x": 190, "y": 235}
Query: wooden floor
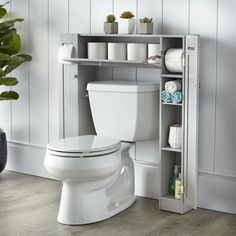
{"x": 29, "y": 205}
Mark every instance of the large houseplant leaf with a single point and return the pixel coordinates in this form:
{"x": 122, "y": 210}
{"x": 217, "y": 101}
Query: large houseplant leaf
{"x": 8, "y": 81}
{"x": 13, "y": 43}
{"x": 8, "y": 33}
{"x": 3, "y": 12}
{"x": 9, "y": 95}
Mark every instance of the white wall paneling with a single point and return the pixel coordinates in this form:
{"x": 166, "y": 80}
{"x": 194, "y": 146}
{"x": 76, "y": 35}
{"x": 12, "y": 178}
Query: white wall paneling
{"x": 20, "y": 108}
{"x": 99, "y": 11}
{"x": 206, "y": 26}
{"x": 79, "y": 16}
{"x": 39, "y": 89}
{"x": 225, "y": 148}
{"x": 58, "y": 23}
{"x": 175, "y": 16}
{"x": 33, "y": 119}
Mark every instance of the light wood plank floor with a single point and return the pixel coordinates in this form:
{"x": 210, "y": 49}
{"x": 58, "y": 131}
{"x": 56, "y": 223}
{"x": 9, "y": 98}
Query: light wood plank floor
{"x": 29, "y": 205}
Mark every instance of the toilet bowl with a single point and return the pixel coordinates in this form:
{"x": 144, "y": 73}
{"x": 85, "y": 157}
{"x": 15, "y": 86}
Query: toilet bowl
{"x": 89, "y": 167}
{"x": 97, "y": 171}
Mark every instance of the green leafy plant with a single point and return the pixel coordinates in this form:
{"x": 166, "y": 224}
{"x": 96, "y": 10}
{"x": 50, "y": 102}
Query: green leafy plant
{"x": 127, "y": 15}
{"x": 10, "y": 59}
{"x": 145, "y": 20}
{"x": 110, "y": 18}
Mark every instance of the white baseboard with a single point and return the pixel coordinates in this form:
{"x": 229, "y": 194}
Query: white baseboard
{"x": 27, "y": 159}
{"x": 146, "y": 179}
{"x": 217, "y": 192}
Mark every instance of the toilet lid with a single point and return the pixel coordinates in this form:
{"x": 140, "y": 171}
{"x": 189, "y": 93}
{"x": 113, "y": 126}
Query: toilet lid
{"x": 90, "y": 144}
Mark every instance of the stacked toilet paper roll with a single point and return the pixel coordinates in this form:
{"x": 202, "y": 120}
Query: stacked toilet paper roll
{"x": 136, "y": 51}
{"x": 97, "y": 50}
{"x": 117, "y": 51}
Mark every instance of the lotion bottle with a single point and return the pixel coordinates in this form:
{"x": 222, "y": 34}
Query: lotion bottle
{"x": 178, "y": 191}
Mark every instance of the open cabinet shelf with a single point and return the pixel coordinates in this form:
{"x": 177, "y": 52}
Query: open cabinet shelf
{"x": 170, "y": 149}
{"x": 179, "y": 76}
{"x": 113, "y": 63}
{"x": 172, "y": 104}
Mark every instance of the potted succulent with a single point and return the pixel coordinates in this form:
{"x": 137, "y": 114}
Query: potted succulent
{"x": 10, "y": 59}
{"x": 127, "y": 23}
{"x": 110, "y": 25}
{"x": 145, "y": 26}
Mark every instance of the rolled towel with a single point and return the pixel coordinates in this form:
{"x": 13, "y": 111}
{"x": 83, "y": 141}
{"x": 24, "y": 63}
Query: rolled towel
{"x": 173, "y": 86}
{"x": 166, "y": 96}
{"x": 176, "y": 97}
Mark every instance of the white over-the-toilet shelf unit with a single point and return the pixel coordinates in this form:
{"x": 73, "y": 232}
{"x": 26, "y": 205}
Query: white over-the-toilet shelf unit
{"x": 185, "y": 113}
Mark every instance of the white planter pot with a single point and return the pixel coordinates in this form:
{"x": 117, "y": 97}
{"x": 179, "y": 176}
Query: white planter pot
{"x": 153, "y": 50}
{"x": 126, "y": 26}
{"x": 97, "y": 50}
{"x": 174, "y": 60}
{"x": 175, "y": 136}
{"x": 117, "y": 51}
{"x": 136, "y": 51}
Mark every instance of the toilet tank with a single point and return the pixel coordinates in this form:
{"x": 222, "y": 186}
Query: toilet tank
{"x": 128, "y": 111}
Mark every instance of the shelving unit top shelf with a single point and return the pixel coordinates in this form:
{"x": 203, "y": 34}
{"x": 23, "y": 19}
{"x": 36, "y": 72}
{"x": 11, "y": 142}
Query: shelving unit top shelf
{"x": 133, "y": 35}
{"x": 118, "y": 63}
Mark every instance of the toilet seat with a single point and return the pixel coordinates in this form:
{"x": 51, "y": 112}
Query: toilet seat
{"x": 83, "y": 146}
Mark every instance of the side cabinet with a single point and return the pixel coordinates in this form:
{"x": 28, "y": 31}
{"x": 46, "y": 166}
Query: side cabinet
{"x": 186, "y": 114}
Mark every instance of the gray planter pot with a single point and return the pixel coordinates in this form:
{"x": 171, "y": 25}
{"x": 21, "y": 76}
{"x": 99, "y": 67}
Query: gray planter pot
{"x": 3, "y": 151}
{"x": 145, "y": 28}
{"x": 111, "y": 28}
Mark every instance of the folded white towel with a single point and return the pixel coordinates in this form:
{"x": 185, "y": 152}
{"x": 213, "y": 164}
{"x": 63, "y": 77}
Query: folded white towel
{"x": 173, "y": 86}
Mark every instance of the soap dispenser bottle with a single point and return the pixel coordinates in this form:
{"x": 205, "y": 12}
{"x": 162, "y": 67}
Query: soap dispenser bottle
{"x": 171, "y": 187}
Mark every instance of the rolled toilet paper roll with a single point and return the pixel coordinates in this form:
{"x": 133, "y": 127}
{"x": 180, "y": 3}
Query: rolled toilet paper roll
{"x": 97, "y": 50}
{"x": 153, "y": 50}
{"x": 136, "y": 51}
{"x": 65, "y": 52}
{"x": 174, "y": 60}
{"x": 117, "y": 51}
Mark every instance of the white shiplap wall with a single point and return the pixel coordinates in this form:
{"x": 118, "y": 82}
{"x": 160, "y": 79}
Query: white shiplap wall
{"x": 33, "y": 120}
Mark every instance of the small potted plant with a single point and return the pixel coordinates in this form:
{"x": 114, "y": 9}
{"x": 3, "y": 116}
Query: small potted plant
{"x": 110, "y": 25}
{"x": 145, "y": 26}
{"x": 127, "y": 23}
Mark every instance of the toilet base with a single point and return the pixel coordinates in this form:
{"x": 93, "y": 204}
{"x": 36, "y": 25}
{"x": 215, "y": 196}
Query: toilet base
{"x": 78, "y": 208}
{"x": 98, "y": 199}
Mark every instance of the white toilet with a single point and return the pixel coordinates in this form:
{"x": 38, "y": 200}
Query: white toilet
{"x": 96, "y": 170}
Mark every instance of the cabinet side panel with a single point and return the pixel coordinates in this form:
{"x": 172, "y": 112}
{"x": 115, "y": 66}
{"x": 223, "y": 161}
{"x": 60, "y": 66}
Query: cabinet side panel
{"x": 191, "y": 140}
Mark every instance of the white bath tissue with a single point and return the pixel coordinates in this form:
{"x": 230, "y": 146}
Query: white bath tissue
{"x": 174, "y": 60}
{"x": 65, "y": 51}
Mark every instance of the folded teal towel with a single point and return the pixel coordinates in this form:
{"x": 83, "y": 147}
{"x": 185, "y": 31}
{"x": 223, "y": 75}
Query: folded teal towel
{"x": 166, "y": 96}
{"x": 176, "y": 97}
